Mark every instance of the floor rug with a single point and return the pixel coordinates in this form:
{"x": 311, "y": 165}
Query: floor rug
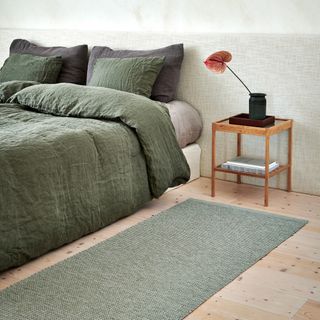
{"x": 161, "y": 269}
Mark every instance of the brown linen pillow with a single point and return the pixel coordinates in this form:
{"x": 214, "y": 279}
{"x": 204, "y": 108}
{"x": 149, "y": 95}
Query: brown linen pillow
{"x": 75, "y": 59}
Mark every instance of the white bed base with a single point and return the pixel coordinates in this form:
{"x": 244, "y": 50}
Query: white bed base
{"x": 192, "y": 152}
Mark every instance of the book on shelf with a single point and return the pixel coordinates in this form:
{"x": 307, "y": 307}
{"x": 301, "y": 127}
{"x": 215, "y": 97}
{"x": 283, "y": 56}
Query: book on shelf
{"x": 250, "y": 165}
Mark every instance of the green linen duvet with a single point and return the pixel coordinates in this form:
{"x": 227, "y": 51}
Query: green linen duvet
{"x": 74, "y": 159}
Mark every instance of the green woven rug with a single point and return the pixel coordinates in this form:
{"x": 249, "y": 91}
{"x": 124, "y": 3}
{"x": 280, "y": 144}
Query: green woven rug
{"x": 160, "y": 269}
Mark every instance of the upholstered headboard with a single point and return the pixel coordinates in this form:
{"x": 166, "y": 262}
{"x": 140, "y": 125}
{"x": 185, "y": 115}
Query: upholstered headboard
{"x": 286, "y": 67}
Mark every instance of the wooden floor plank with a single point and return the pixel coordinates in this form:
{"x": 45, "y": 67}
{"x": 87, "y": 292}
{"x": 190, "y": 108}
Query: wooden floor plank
{"x": 309, "y": 311}
{"x": 291, "y": 264}
{"x": 219, "y": 308}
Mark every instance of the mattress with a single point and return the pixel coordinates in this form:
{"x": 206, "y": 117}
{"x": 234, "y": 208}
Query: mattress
{"x": 186, "y": 121}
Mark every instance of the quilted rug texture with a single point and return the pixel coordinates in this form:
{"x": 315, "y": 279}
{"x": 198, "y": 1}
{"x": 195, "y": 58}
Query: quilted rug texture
{"x": 161, "y": 269}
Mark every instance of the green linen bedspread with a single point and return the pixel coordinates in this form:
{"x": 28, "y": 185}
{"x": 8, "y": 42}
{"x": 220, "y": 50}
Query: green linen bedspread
{"x": 74, "y": 159}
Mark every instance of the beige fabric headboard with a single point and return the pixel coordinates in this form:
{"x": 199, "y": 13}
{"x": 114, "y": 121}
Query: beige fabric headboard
{"x": 286, "y": 67}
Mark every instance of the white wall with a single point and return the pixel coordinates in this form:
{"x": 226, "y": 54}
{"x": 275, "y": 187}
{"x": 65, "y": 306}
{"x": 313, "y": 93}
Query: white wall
{"x": 247, "y": 16}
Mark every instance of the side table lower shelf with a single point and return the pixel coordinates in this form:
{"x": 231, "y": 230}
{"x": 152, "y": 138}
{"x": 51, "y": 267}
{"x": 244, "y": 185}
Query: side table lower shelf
{"x": 262, "y": 176}
{"x": 273, "y": 173}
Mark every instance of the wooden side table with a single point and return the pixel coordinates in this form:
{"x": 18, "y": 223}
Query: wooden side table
{"x": 279, "y": 126}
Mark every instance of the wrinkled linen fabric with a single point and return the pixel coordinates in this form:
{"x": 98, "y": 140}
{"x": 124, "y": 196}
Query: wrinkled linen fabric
{"x": 74, "y": 159}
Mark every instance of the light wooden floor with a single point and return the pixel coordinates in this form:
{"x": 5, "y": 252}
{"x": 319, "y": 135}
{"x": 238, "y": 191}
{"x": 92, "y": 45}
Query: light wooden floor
{"x": 283, "y": 285}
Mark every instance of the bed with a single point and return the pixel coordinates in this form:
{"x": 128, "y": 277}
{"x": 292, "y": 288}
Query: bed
{"x": 78, "y": 153}
{"x": 67, "y": 170}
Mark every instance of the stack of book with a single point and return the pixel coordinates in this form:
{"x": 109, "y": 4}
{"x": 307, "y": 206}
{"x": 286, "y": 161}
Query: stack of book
{"x": 249, "y": 165}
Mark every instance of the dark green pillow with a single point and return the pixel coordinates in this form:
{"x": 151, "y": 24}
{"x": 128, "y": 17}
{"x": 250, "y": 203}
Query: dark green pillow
{"x": 31, "y": 68}
{"x": 135, "y": 75}
{"x": 9, "y": 88}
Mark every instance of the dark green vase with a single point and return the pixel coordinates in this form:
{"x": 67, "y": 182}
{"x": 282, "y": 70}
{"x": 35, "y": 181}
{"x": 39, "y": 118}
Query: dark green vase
{"x": 257, "y": 106}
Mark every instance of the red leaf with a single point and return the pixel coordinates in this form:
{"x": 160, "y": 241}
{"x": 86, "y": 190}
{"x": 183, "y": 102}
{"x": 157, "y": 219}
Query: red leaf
{"x": 216, "y": 62}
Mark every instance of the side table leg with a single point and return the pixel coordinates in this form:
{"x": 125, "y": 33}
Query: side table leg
{"x": 213, "y": 162}
{"x": 266, "y": 172}
{"x": 238, "y": 153}
{"x": 289, "y": 172}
